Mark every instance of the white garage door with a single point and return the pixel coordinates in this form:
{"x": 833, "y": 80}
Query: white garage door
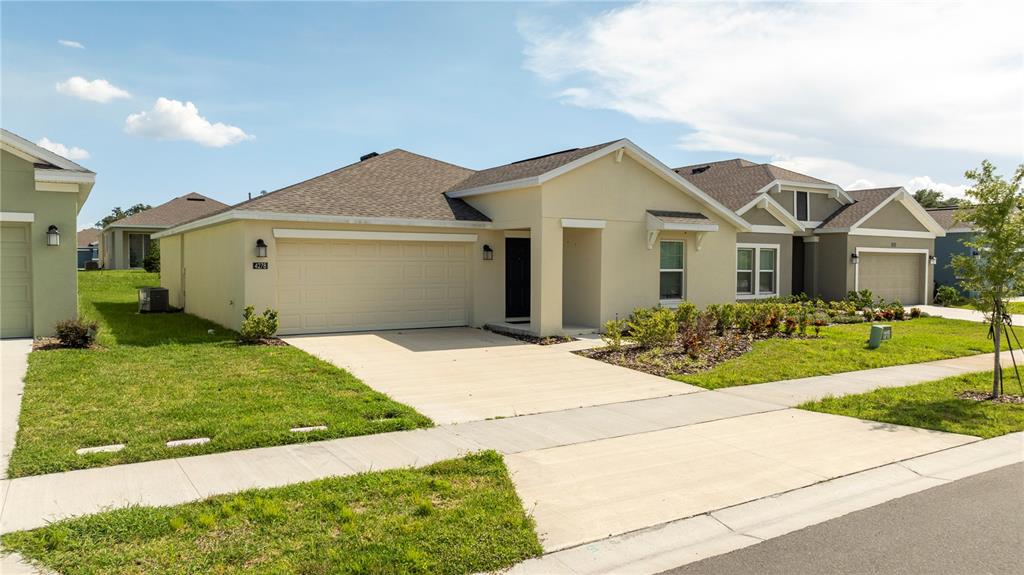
{"x": 893, "y": 276}
{"x": 15, "y": 281}
{"x": 340, "y": 285}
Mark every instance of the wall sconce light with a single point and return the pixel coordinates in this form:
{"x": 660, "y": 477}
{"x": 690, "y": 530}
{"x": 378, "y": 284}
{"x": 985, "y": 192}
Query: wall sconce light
{"x": 52, "y": 236}
{"x": 933, "y": 260}
{"x": 488, "y": 253}
{"x": 854, "y": 258}
{"x": 261, "y": 248}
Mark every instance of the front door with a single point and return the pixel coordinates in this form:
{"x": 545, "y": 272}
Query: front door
{"x": 517, "y": 277}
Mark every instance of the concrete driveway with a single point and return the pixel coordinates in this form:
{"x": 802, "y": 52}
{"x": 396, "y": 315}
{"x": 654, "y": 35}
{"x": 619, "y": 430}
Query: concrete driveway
{"x": 455, "y": 375}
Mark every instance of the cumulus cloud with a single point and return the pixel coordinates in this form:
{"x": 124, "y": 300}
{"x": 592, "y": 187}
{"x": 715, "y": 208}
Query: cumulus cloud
{"x": 71, "y": 44}
{"x": 175, "y": 120}
{"x": 98, "y": 90}
{"x": 801, "y": 81}
{"x": 71, "y": 153}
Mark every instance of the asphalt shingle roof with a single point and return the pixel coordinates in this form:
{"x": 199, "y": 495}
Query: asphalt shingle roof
{"x": 88, "y": 237}
{"x": 177, "y": 211}
{"x": 736, "y": 182}
{"x": 863, "y": 202}
{"x": 528, "y": 168}
{"x": 947, "y": 217}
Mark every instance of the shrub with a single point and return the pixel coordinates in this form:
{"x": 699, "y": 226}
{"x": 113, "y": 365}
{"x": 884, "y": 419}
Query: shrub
{"x": 915, "y": 312}
{"x": 744, "y": 312}
{"x": 75, "y": 333}
{"x": 819, "y": 320}
{"x": 724, "y": 316}
{"x": 863, "y": 298}
{"x": 612, "y": 334}
{"x": 151, "y": 263}
{"x": 256, "y": 328}
{"x": 653, "y": 327}
{"x": 789, "y": 325}
{"x": 686, "y": 315}
{"x": 948, "y": 296}
{"x": 848, "y": 319}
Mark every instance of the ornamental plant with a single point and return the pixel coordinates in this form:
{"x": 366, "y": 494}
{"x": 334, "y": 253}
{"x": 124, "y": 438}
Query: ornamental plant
{"x": 256, "y": 328}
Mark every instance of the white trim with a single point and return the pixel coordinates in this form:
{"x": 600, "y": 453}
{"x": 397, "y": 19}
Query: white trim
{"x": 232, "y": 215}
{"x": 64, "y": 176}
{"x": 136, "y": 226}
{"x": 682, "y": 271}
{"x": 307, "y": 234}
{"x": 812, "y": 224}
{"x": 959, "y": 231}
{"x": 756, "y": 269}
{"x": 26, "y": 217}
{"x": 833, "y": 191}
{"x": 775, "y": 209}
{"x": 901, "y": 195}
{"x": 759, "y": 229}
{"x": 923, "y": 251}
{"x": 654, "y": 223}
{"x": 517, "y": 233}
{"x": 891, "y": 233}
{"x": 578, "y": 223}
{"x": 634, "y": 152}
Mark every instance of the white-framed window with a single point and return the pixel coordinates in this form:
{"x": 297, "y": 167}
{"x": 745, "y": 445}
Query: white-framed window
{"x": 757, "y": 270}
{"x": 672, "y": 271}
{"x": 802, "y": 209}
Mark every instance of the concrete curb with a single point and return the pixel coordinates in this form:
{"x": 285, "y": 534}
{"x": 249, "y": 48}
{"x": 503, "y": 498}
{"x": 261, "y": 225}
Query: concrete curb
{"x": 676, "y": 543}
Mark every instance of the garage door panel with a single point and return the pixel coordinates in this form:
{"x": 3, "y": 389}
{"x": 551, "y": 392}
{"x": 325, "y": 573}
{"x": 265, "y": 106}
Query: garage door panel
{"x": 15, "y": 280}
{"x": 365, "y": 285}
{"x": 893, "y": 276}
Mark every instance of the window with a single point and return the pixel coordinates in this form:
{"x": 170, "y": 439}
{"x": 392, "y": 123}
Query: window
{"x": 138, "y": 247}
{"x": 757, "y": 270}
{"x": 802, "y": 206}
{"x": 671, "y": 283}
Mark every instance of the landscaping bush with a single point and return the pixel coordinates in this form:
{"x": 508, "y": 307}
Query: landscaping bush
{"x": 151, "y": 263}
{"x": 862, "y": 299}
{"x": 948, "y": 296}
{"x": 256, "y": 328}
{"x": 75, "y": 333}
{"x": 612, "y": 334}
{"x": 653, "y": 327}
{"x": 724, "y": 316}
{"x": 789, "y": 324}
{"x": 915, "y": 312}
{"x": 686, "y": 315}
{"x": 819, "y": 320}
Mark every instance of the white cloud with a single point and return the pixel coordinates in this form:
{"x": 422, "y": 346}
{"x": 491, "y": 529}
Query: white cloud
{"x": 800, "y": 80}
{"x": 94, "y": 90}
{"x": 72, "y": 153}
{"x": 71, "y": 44}
{"x": 851, "y": 176}
{"x": 948, "y": 190}
{"x": 174, "y": 120}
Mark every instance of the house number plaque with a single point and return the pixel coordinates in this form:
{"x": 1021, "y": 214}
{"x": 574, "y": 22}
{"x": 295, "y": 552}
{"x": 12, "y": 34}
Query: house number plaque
{"x": 261, "y": 265}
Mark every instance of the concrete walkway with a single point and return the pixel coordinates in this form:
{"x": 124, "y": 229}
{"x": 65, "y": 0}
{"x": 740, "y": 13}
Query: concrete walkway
{"x": 13, "y": 364}
{"x": 454, "y": 375}
{"x": 964, "y": 314}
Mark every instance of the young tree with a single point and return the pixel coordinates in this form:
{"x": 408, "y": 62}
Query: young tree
{"x": 117, "y": 214}
{"x": 997, "y": 215}
{"x": 930, "y": 198}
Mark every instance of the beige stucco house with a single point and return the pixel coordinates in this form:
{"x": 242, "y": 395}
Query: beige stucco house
{"x": 553, "y": 244}
{"x": 41, "y": 194}
{"x": 124, "y": 243}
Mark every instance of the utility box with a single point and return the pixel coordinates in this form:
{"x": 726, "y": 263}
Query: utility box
{"x": 879, "y": 333}
{"x": 153, "y": 300}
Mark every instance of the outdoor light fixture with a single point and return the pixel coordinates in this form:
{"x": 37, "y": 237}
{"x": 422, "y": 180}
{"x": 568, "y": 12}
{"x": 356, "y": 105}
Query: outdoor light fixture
{"x": 261, "y": 248}
{"x": 52, "y": 236}
{"x": 488, "y": 253}
{"x": 932, "y": 260}
{"x": 854, "y": 258}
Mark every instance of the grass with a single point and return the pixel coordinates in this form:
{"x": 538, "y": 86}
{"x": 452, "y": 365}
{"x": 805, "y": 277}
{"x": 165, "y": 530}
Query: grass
{"x": 160, "y": 377}
{"x": 1012, "y": 307}
{"x": 457, "y": 516}
{"x": 934, "y": 405}
{"x": 844, "y": 348}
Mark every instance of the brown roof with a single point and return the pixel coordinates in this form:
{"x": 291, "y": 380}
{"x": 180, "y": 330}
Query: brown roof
{"x": 177, "y": 211}
{"x": 395, "y": 184}
{"x": 863, "y": 202}
{"x": 946, "y": 217}
{"x": 736, "y": 182}
{"x": 679, "y": 217}
{"x": 528, "y": 168}
{"x": 88, "y": 236}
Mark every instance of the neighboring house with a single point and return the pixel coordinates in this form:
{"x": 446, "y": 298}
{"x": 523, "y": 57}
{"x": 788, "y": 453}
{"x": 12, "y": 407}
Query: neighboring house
{"x": 88, "y": 246}
{"x": 950, "y": 245}
{"x": 553, "y": 244}
{"x": 124, "y": 243}
{"x": 811, "y": 236}
{"x": 41, "y": 194}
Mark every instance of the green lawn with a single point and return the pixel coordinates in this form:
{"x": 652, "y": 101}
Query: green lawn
{"x": 935, "y": 405}
{"x": 1013, "y": 307}
{"x": 844, "y": 348}
{"x": 457, "y": 516}
{"x": 161, "y": 377}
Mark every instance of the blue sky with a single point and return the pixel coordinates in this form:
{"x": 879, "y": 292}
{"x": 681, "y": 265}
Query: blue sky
{"x": 308, "y": 88}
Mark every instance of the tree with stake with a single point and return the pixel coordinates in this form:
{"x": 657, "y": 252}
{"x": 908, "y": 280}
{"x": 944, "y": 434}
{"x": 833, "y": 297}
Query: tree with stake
{"x": 996, "y": 212}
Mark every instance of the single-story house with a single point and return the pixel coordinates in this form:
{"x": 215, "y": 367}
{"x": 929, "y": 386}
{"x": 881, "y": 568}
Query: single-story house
{"x": 557, "y": 243}
{"x": 88, "y": 246}
{"x": 124, "y": 243}
{"x": 42, "y": 195}
{"x": 811, "y": 236}
{"x": 952, "y": 244}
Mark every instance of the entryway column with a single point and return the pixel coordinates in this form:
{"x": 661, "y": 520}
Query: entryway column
{"x": 546, "y": 277}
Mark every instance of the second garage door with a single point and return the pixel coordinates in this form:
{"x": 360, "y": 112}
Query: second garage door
{"x": 15, "y": 281}
{"x": 339, "y": 285}
{"x": 893, "y": 276}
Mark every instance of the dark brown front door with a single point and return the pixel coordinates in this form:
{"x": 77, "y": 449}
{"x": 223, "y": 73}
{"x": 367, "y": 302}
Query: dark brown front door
{"x": 517, "y": 277}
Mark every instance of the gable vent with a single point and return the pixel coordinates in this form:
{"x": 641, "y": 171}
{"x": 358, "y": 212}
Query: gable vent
{"x": 365, "y": 157}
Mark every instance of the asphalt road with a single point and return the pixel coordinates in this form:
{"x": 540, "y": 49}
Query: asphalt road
{"x": 972, "y": 526}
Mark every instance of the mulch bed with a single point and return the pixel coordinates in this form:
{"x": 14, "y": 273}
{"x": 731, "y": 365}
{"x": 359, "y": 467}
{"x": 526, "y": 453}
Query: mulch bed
{"x": 549, "y": 340}
{"x": 674, "y": 360}
{"x": 271, "y": 341}
{"x": 985, "y": 396}
{"x": 51, "y": 343}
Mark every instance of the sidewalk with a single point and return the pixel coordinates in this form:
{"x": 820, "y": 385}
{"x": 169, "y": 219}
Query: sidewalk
{"x": 13, "y": 364}
{"x": 960, "y": 313}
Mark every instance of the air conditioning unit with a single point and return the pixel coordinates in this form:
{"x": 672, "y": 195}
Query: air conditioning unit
{"x": 153, "y": 300}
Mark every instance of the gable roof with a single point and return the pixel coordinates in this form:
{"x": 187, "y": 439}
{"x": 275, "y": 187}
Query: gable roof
{"x": 88, "y": 237}
{"x": 946, "y": 216}
{"x": 395, "y": 184}
{"x": 736, "y": 182}
{"x": 177, "y": 211}
{"x": 52, "y": 171}
{"x": 528, "y": 168}
{"x": 864, "y": 202}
